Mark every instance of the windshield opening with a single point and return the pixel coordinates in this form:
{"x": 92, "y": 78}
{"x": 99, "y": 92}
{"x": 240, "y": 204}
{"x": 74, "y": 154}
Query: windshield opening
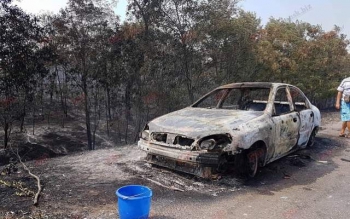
{"x": 245, "y": 98}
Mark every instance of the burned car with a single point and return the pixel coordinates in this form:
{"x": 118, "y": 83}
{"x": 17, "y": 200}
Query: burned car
{"x": 240, "y": 125}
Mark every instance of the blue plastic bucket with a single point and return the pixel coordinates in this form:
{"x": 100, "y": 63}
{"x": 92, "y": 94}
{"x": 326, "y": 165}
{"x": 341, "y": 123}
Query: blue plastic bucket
{"x": 134, "y": 202}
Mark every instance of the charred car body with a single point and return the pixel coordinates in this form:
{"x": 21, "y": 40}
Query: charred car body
{"x": 242, "y": 124}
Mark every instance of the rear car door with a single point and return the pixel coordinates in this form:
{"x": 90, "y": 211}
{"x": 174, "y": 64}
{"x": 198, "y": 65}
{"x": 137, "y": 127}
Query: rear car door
{"x": 286, "y": 122}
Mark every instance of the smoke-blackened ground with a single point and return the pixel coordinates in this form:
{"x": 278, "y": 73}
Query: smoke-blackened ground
{"x": 82, "y": 184}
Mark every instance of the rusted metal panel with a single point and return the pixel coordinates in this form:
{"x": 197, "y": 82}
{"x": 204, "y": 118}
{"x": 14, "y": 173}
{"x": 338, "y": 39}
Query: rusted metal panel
{"x": 196, "y": 138}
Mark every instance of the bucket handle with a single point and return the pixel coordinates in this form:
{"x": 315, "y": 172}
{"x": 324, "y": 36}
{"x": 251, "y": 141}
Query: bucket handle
{"x": 133, "y": 196}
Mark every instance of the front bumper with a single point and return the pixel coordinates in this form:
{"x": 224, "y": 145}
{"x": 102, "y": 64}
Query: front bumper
{"x": 193, "y": 162}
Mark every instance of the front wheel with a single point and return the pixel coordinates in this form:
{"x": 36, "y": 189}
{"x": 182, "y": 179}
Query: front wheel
{"x": 223, "y": 164}
{"x": 253, "y": 163}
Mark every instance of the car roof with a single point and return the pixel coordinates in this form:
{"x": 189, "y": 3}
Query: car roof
{"x": 252, "y": 84}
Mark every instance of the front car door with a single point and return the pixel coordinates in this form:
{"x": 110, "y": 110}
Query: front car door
{"x": 286, "y": 122}
{"x": 306, "y": 115}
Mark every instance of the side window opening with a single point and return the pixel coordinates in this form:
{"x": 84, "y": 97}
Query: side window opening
{"x": 299, "y": 100}
{"x": 281, "y": 102}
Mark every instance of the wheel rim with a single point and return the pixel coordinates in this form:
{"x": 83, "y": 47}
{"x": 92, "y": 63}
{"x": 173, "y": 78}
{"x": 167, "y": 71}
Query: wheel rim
{"x": 252, "y": 163}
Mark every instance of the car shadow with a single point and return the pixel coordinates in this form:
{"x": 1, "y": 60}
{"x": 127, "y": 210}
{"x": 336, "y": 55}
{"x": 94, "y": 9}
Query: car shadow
{"x": 302, "y": 167}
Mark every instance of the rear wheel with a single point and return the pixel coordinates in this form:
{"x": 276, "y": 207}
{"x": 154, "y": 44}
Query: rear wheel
{"x": 312, "y": 137}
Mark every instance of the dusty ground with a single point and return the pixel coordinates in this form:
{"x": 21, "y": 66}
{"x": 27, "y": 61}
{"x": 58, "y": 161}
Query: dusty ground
{"x": 307, "y": 184}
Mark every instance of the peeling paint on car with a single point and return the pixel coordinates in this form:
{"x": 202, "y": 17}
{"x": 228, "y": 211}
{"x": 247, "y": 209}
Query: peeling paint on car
{"x": 200, "y": 139}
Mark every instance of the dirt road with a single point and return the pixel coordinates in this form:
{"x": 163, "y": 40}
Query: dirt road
{"x": 307, "y": 184}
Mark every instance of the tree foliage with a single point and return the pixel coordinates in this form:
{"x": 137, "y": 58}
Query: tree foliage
{"x": 166, "y": 55}
{"x": 24, "y": 60}
{"x": 305, "y": 55}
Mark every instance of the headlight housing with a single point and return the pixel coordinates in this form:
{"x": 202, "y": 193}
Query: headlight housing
{"x": 215, "y": 142}
{"x": 208, "y": 144}
{"x": 145, "y": 134}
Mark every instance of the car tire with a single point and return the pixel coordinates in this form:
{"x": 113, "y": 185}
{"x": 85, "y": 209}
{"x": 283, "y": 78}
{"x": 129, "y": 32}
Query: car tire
{"x": 311, "y": 140}
{"x": 223, "y": 164}
{"x": 252, "y": 163}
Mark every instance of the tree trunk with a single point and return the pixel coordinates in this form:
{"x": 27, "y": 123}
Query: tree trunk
{"x": 49, "y": 110}
{"x": 97, "y": 116}
{"x": 87, "y": 114}
{"x": 188, "y": 75}
{"x": 65, "y": 94}
{"x": 33, "y": 121}
{"x": 61, "y": 98}
{"x": 108, "y": 112}
{"x": 42, "y": 100}
{"x": 24, "y": 113}
{"x": 109, "y": 103}
{"x": 6, "y": 128}
{"x": 127, "y": 109}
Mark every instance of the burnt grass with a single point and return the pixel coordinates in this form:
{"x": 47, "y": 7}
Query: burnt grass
{"x": 78, "y": 183}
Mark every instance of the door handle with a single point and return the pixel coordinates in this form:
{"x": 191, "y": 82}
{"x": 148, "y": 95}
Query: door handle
{"x": 295, "y": 119}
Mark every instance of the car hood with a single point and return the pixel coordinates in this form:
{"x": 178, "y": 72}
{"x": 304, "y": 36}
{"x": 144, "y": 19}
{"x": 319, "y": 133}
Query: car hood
{"x": 197, "y": 122}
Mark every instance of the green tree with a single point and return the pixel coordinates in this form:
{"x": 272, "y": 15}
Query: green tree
{"x": 81, "y": 29}
{"x": 303, "y": 54}
{"x": 24, "y": 53}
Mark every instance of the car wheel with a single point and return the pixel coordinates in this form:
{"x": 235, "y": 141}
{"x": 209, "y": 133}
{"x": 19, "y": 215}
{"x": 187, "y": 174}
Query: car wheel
{"x": 312, "y": 137}
{"x": 223, "y": 164}
{"x": 252, "y": 163}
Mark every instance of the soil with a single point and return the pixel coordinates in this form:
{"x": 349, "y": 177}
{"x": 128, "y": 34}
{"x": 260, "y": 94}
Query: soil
{"x": 81, "y": 184}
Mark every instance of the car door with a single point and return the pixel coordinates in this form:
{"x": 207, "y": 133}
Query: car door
{"x": 286, "y": 122}
{"x": 306, "y": 115}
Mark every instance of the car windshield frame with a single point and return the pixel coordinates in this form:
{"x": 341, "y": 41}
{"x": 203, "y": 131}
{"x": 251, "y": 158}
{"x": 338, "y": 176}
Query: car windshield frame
{"x": 223, "y": 94}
